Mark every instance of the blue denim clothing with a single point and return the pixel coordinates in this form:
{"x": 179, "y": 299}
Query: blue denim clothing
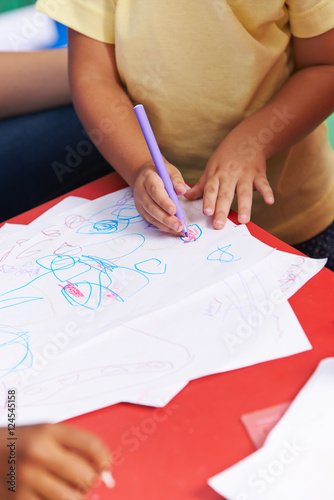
{"x": 320, "y": 246}
{"x": 44, "y": 155}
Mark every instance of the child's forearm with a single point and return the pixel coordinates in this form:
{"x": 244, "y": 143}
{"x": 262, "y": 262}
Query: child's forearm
{"x": 302, "y": 103}
{"x": 33, "y": 81}
{"x": 107, "y": 115}
{"x": 305, "y": 100}
{"x": 103, "y": 106}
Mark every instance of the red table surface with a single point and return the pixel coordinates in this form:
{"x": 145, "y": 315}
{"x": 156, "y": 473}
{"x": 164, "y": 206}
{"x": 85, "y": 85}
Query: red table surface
{"x": 169, "y": 453}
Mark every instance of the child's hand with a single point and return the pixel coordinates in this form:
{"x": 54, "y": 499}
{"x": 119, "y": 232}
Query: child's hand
{"x": 53, "y": 462}
{"x": 152, "y": 200}
{"x": 230, "y": 171}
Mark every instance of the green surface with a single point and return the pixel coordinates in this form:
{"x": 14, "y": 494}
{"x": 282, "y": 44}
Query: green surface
{"x": 330, "y": 125}
{"x": 14, "y": 4}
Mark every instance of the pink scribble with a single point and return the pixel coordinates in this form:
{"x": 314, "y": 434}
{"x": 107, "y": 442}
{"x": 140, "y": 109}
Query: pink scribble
{"x": 112, "y": 295}
{"x": 194, "y": 232}
{"x": 67, "y": 249}
{"x": 292, "y": 274}
{"x": 72, "y": 290}
{"x": 74, "y": 221}
{"x": 213, "y": 307}
{"x": 50, "y": 231}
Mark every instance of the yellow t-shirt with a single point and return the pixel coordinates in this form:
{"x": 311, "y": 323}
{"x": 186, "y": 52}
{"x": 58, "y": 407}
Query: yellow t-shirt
{"x": 200, "y": 67}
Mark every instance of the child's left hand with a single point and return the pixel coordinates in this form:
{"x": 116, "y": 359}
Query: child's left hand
{"x": 51, "y": 462}
{"x": 235, "y": 167}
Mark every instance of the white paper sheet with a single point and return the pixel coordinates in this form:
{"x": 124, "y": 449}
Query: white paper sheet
{"x": 242, "y": 321}
{"x": 210, "y": 305}
{"x": 296, "y": 461}
{"x": 105, "y": 252}
{"x": 68, "y": 203}
{"x": 8, "y": 230}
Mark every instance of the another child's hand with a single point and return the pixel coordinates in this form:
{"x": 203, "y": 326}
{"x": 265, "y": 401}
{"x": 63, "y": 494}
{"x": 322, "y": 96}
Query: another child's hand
{"x": 230, "y": 171}
{"x": 52, "y": 462}
{"x": 152, "y": 200}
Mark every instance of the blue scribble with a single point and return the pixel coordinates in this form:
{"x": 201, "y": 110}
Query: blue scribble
{"x": 222, "y": 255}
{"x": 83, "y": 281}
{"x": 113, "y": 219}
{"x": 15, "y": 353}
{"x": 102, "y": 226}
{"x": 151, "y": 266}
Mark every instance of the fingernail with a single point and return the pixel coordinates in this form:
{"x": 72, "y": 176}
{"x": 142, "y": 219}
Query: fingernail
{"x": 171, "y": 211}
{"x": 243, "y": 218}
{"x": 219, "y": 224}
{"x": 179, "y": 188}
{"x": 208, "y": 211}
{"x": 177, "y": 227}
{"x": 271, "y": 199}
{"x": 107, "y": 479}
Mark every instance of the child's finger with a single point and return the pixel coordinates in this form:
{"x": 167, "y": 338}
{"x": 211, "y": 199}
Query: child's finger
{"x": 28, "y": 496}
{"x": 160, "y": 225}
{"x": 245, "y": 197}
{"x": 210, "y": 195}
{"x": 46, "y": 486}
{"x": 156, "y": 191}
{"x": 85, "y": 444}
{"x": 262, "y": 185}
{"x": 178, "y": 183}
{"x": 223, "y": 205}
{"x": 50, "y": 488}
{"x": 157, "y": 216}
{"x": 71, "y": 468}
{"x": 196, "y": 191}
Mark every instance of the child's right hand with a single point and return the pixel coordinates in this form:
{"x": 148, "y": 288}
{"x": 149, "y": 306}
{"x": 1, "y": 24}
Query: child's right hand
{"x": 152, "y": 200}
{"x": 53, "y": 462}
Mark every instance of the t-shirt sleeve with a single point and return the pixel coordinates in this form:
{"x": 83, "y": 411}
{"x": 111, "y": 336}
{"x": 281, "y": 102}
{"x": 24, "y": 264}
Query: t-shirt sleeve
{"x": 93, "y": 18}
{"x": 309, "y": 18}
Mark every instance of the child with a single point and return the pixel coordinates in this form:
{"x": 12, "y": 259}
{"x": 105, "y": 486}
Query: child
{"x": 236, "y": 92}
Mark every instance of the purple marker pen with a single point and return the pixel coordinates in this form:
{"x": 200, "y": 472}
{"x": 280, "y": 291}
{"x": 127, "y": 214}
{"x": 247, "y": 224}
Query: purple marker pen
{"x": 159, "y": 161}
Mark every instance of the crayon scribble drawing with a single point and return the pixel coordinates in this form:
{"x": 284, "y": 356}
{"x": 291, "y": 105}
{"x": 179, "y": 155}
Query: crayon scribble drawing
{"x": 141, "y": 302}
{"x": 83, "y": 281}
{"x": 245, "y": 297}
{"x": 194, "y": 233}
{"x": 121, "y": 366}
{"x": 105, "y": 253}
{"x": 222, "y": 254}
{"x": 15, "y": 352}
{"x": 113, "y": 219}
